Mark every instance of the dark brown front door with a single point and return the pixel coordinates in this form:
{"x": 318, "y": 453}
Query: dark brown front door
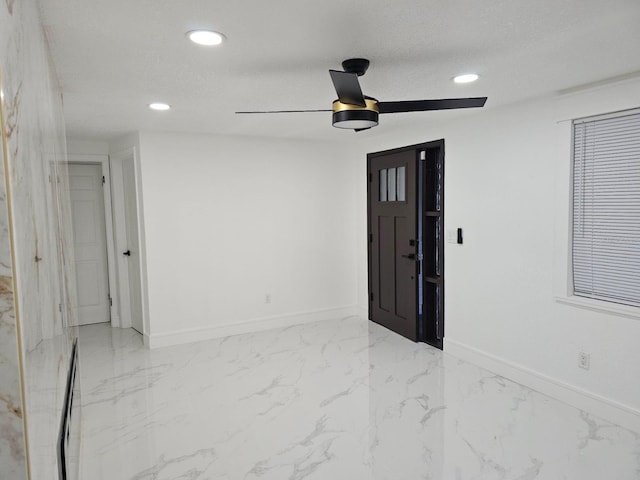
{"x": 393, "y": 269}
{"x": 406, "y": 241}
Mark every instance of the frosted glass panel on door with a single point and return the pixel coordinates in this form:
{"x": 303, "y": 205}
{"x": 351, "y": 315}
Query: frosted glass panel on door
{"x": 401, "y": 182}
{"x": 391, "y": 184}
{"x": 383, "y": 185}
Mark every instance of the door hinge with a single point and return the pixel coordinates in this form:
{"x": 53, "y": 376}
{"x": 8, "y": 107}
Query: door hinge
{"x": 371, "y": 238}
{"x": 110, "y": 301}
{"x": 103, "y": 180}
{"x": 423, "y": 155}
{"x": 371, "y": 297}
{"x": 60, "y": 307}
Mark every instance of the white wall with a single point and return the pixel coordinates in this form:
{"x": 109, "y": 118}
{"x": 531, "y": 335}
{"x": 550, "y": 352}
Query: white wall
{"x": 229, "y": 220}
{"x": 501, "y": 308}
{"x": 87, "y": 147}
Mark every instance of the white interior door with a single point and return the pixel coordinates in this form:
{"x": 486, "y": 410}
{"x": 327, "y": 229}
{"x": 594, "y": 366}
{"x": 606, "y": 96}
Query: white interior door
{"x": 132, "y": 251}
{"x": 87, "y": 210}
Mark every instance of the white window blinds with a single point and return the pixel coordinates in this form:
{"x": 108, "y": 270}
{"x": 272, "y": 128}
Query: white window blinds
{"x": 606, "y": 208}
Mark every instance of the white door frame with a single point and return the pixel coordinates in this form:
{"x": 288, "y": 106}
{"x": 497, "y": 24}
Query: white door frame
{"x": 114, "y": 295}
{"x": 120, "y": 235}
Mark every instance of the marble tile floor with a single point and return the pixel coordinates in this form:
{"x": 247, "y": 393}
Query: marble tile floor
{"x": 332, "y": 400}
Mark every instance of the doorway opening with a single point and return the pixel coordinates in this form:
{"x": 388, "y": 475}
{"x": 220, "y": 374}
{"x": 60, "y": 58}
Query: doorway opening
{"x": 405, "y": 207}
{"x": 93, "y": 241}
{"x": 106, "y": 213}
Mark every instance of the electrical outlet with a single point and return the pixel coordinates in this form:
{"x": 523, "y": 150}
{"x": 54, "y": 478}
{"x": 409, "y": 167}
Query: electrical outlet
{"x": 267, "y": 298}
{"x": 584, "y": 360}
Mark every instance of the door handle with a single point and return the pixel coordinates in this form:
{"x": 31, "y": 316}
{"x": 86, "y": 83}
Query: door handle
{"x": 410, "y": 256}
{"x": 127, "y": 253}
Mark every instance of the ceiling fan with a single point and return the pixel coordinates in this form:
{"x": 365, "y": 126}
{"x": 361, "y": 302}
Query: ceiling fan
{"x": 356, "y": 111}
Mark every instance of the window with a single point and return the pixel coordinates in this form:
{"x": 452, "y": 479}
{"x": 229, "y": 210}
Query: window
{"x": 606, "y": 208}
{"x": 392, "y": 185}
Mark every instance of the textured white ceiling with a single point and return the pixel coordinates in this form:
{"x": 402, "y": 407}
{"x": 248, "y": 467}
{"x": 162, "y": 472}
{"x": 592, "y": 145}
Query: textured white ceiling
{"x": 114, "y": 57}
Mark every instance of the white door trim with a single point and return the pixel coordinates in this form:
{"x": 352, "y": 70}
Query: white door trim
{"x": 103, "y": 161}
{"x": 119, "y": 226}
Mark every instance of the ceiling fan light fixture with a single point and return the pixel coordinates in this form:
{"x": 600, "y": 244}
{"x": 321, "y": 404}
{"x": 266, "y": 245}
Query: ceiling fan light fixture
{"x": 208, "y": 38}
{"x": 355, "y": 117}
{"x": 466, "y": 78}
{"x": 355, "y": 111}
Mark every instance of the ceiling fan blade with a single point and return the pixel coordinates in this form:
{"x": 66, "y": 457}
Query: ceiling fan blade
{"x": 424, "y": 105}
{"x": 348, "y": 88}
{"x": 285, "y": 111}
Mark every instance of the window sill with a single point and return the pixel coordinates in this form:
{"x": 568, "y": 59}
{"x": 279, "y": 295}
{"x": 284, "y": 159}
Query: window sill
{"x": 601, "y": 306}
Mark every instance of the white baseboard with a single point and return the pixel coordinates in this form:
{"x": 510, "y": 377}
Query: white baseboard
{"x": 600, "y": 406}
{"x": 362, "y": 312}
{"x": 190, "y": 335}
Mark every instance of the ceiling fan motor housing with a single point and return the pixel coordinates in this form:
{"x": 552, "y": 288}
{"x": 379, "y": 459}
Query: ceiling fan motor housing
{"x": 355, "y": 117}
{"x": 358, "y": 66}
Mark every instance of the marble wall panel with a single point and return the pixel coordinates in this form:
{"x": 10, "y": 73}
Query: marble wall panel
{"x": 40, "y": 263}
{"x": 12, "y": 442}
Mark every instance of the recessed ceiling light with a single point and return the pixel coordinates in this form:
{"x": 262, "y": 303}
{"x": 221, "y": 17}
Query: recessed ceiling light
{"x": 206, "y": 37}
{"x": 466, "y": 78}
{"x": 159, "y": 106}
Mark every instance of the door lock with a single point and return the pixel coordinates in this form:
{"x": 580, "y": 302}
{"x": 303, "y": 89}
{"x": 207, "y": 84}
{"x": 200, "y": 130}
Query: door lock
{"x": 410, "y": 256}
